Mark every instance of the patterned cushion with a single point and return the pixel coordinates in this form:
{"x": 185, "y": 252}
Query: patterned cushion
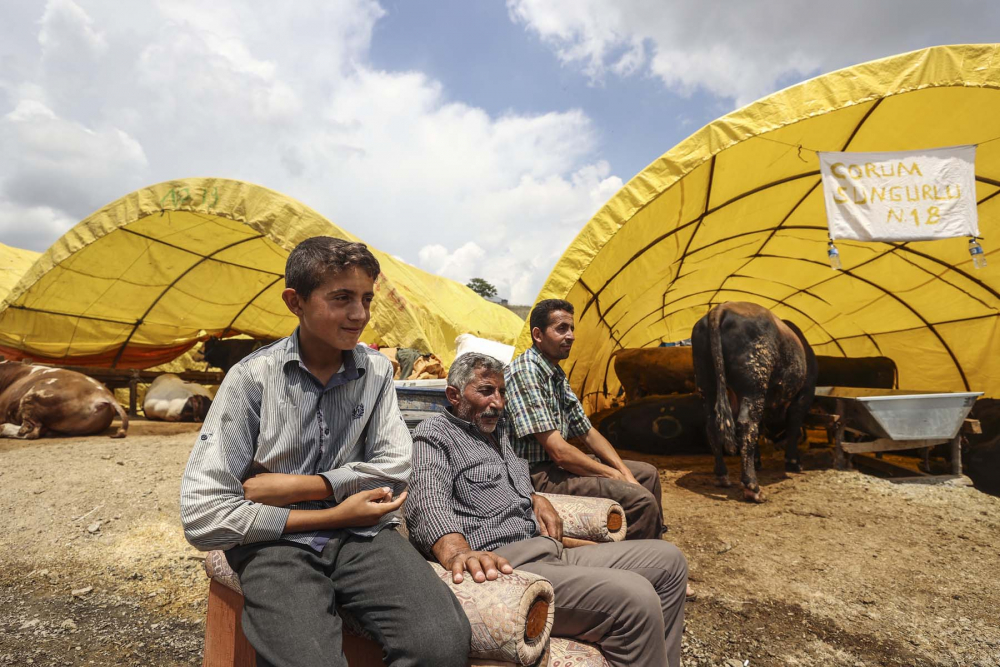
{"x": 572, "y": 653}
{"x": 497, "y": 611}
{"x": 586, "y": 518}
{"x": 544, "y": 660}
{"x": 217, "y": 567}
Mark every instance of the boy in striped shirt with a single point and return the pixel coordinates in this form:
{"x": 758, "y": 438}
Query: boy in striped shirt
{"x": 298, "y": 473}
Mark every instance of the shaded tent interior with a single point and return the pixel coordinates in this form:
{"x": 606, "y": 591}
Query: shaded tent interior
{"x": 736, "y": 213}
{"x": 140, "y": 281}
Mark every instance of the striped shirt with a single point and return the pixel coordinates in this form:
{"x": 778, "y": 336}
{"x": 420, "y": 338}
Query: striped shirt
{"x": 272, "y": 415}
{"x": 539, "y": 399}
{"x": 469, "y": 483}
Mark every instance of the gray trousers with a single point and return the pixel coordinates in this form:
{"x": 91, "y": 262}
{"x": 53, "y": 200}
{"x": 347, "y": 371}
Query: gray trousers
{"x": 643, "y": 504}
{"x": 627, "y": 597}
{"x": 292, "y": 592}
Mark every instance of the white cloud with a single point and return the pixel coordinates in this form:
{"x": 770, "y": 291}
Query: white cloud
{"x": 22, "y": 225}
{"x": 743, "y": 50}
{"x": 68, "y": 32}
{"x": 60, "y": 166}
{"x": 460, "y": 265}
{"x": 521, "y": 256}
{"x": 107, "y": 97}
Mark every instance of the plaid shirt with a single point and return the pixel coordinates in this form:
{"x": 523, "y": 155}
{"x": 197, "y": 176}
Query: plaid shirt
{"x": 539, "y": 399}
{"x": 469, "y": 483}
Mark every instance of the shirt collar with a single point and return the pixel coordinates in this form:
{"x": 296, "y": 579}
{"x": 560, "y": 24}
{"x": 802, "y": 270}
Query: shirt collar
{"x": 352, "y": 369}
{"x": 542, "y": 362}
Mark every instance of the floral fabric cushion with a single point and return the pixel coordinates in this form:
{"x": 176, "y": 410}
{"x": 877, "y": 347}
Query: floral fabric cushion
{"x": 572, "y": 653}
{"x": 497, "y": 610}
{"x": 586, "y": 518}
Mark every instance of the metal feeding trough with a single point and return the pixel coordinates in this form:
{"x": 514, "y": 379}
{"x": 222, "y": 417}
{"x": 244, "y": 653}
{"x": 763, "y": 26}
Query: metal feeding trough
{"x": 893, "y": 419}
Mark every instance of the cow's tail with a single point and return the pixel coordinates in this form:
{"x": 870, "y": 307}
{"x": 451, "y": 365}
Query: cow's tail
{"x": 723, "y": 413}
{"x": 123, "y": 429}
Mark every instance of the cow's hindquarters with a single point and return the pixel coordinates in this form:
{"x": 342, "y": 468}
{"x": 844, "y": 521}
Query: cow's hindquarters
{"x": 88, "y": 415}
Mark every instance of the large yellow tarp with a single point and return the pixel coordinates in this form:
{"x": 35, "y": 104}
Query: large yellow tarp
{"x": 14, "y": 263}
{"x": 735, "y": 213}
{"x": 140, "y": 281}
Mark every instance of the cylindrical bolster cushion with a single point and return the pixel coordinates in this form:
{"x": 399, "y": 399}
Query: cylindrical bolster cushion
{"x": 544, "y": 660}
{"x": 217, "y": 567}
{"x": 511, "y": 617}
{"x": 585, "y": 518}
{"x": 568, "y": 652}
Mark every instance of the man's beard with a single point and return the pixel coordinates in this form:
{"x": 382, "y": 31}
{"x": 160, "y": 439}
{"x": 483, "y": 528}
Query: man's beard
{"x": 464, "y": 411}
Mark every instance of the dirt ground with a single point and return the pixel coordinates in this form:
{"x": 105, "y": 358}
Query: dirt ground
{"x": 836, "y": 568}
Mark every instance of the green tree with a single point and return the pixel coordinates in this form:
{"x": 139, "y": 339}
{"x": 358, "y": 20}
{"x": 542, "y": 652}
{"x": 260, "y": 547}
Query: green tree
{"x": 482, "y": 288}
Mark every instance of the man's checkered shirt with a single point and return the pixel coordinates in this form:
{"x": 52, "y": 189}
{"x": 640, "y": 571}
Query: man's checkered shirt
{"x": 466, "y": 482}
{"x": 539, "y": 399}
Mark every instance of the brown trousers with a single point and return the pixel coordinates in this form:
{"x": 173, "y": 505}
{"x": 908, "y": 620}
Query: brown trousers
{"x": 643, "y": 504}
{"x": 627, "y": 597}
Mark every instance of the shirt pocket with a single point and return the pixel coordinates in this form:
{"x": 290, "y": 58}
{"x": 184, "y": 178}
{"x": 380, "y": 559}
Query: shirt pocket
{"x": 484, "y": 489}
{"x": 521, "y": 475}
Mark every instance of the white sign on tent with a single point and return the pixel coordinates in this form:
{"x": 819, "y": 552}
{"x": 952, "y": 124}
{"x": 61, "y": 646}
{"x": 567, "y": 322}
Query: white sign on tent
{"x": 902, "y": 196}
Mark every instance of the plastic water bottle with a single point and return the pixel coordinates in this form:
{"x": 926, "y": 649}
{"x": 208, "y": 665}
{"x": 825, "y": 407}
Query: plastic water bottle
{"x": 978, "y": 257}
{"x": 834, "y": 256}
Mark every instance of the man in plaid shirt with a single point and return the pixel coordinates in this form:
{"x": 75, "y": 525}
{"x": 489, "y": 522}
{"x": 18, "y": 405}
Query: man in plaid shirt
{"x": 545, "y": 415}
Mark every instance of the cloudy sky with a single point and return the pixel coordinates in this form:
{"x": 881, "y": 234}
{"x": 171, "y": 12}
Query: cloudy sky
{"x": 469, "y": 137}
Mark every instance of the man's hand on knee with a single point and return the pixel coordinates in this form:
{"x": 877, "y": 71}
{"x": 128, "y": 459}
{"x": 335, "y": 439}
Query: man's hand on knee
{"x": 454, "y": 553}
{"x": 627, "y": 475}
{"x": 550, "y": 524}
{"x": 482, "y": 565}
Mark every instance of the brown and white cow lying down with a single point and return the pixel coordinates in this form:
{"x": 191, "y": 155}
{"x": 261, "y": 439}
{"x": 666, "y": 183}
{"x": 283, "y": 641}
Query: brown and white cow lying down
{"x": 36, "y": 400}
{"x": 749, "y": 363}
{"x": 172, "y": 399}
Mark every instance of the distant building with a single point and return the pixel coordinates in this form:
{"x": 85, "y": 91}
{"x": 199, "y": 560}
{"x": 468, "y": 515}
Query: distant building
{"x": 497, "y": 299}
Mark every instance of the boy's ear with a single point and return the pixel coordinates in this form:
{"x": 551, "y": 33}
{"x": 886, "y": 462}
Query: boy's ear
{"x": 292, "y": 301}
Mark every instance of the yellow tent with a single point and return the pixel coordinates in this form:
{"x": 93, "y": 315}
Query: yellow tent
{"x": 140, "y": 281}
{"x": 14, "y": 263}
{"x": 736, "y": 213}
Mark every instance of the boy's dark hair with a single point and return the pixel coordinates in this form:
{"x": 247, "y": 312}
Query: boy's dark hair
{"x": 320, "y": 256}
{"x": 543, "y": 309}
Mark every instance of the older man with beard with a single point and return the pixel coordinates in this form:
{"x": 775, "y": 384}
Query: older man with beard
{"x": 473, "y": 509}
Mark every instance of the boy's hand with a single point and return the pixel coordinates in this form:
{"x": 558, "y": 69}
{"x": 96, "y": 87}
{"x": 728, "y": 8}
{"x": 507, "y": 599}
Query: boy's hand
{"x": 365, "y": 508}
{"x": 280, "y": 490}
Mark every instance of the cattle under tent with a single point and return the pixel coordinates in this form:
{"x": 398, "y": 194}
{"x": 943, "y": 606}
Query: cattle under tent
{"x": 736, "y": 213}
{"x": 142, "y": 280}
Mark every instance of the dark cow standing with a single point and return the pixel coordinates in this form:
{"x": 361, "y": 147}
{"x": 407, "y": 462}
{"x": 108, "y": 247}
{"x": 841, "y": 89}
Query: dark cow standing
{"x": 35, "y": 400}
{"x": 750, "y": 363}
{"x": 225, "y": 353}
